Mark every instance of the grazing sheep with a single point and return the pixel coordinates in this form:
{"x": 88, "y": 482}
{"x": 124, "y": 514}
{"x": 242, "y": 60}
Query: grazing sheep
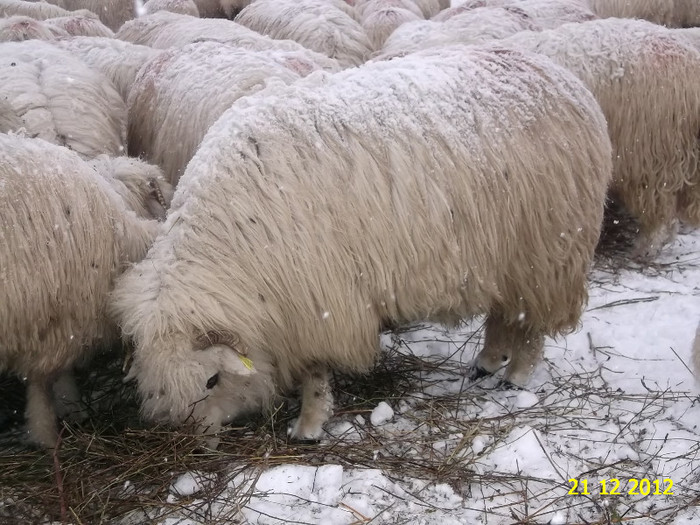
{"x": 183, "y": 7}
{"x": 36, "y": 10}
{"x": 119, "y": 61}
{"x": 672, "y": 13}
{"x": 472, "y": 27}
{"x": 162, "y": 30}
{"x": 315, "y": 24}
{"x": 315, "y": 214}
{"x": 647, "y": 81}
{"x": 177, "y": 96}
{"x": 82, "y": 23}
{"x": 142, "y": 186}
{"x": 112, "y": 13}
{"x": 66, "y": 234}
{"x": 381, "y": 23}
{"x": 19, "y": 28}
{"x": 62, "y": 100}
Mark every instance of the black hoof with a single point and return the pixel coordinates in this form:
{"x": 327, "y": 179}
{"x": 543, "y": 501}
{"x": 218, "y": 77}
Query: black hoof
{"x": 306, "y": 441}
{"x": 507, "y": 385}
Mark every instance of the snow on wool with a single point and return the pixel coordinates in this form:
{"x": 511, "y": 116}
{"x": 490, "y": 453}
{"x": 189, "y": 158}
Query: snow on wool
{"x": 119, "y": 61}
{"x": 61, "y": 100}
{"x": 245, "y": 211}
{"x": 315, "y": 24}
{"x": 177, "y": 96}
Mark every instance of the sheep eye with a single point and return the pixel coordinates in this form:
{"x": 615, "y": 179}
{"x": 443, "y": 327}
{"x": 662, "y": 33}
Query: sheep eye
{"x": 212, "y": 381}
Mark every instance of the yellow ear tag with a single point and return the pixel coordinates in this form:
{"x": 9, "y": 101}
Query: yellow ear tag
{"x": 246, "y": 362}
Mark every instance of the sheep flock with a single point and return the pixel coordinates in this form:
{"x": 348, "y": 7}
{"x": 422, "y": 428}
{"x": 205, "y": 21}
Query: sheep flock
{"x": 245, "y": 194}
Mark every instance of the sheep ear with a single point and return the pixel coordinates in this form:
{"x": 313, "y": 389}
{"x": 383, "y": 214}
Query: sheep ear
{"x": 240, "y": 363}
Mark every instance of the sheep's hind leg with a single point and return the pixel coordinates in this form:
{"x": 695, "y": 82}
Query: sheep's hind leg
{"x": 517, "y": 348}
{"x": 40, "y": 414}
{"x": 67, "y": 396}
{"x": 316, "y": 405}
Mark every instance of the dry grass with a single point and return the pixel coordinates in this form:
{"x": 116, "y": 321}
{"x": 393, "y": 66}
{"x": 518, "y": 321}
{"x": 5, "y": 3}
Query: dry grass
{"x": 111, "y": 469}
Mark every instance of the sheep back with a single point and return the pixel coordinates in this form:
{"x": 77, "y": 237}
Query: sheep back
{"x": 177, "y": 96}
{"x": 62, "y": 100}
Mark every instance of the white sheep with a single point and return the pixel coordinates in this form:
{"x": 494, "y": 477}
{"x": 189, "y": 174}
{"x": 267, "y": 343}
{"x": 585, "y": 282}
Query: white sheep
{"x": 19, "y": 28}
{"x": 647, "y": 81}
{"x": 177, "y": 96}
{"x": 62, "y": 100}
{"x": 313, "y": 215}
{"x": 379, "y": 24}
{"x": 112, "y": 13}
{"x": 672, "y": 13}
{"x": 365, "y": 7}
{"x": 162, "y": 30}
{"x": 691, "y": 35}
{"x": 66, "y": 235}
{"x": 547, "y": 13}
{"x": 118, "y": 60}
{"x": 36, "y": 10}
{"x": 82, "y": 23}
{"x": 472, "y": 27}
{"x": 315, "y": 24}
{"x": 183, "y": 7}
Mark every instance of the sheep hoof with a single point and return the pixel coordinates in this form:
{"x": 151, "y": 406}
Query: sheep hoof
{"x": 479, "y": 373}
{"x": 507, "y": 385}
{"x": 303, "y": 432}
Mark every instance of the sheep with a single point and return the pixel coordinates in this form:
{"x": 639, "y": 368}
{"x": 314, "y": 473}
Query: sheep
{"x": 183, "y": 7}
{"x": 315, "y": 214}
{"x": 672, "y": 13}
{"x": 19, "y": 28}
{"x": 472, "y": 27}
{"x": 177, "y": 96}
{"x": 118, "y": 60}
{"x": 62, "y": 100}
{"x": 57, "y": 209}
{"x": 548, "y": 13}
{"x": 647, "y": 81}
{"x": 36, "y": 10}
{"x": 381, "y": 23}
{"x": 112, "y": 13}
{"x": 367, "y": 7}
{"x": 315, "y": 24}
{"x": 82, "y": 23}
{"x": 162, "y": 30}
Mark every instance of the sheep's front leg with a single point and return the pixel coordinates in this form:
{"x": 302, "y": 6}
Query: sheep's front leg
{"x": 517, "y": 348}
{"x": 40, "y": 415}
{"x": 316, "y": 405}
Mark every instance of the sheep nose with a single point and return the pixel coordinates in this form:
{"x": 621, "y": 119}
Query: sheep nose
{"x": 478, "y": 373}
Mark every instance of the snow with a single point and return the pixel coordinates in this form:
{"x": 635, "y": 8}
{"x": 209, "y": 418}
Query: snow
{"x": 615, "y": 399}
{"x": 381, "y": 414}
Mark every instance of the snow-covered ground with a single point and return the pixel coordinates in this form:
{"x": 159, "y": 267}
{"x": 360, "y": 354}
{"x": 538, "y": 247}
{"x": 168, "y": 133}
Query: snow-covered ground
{"x": 615, "y": 400}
